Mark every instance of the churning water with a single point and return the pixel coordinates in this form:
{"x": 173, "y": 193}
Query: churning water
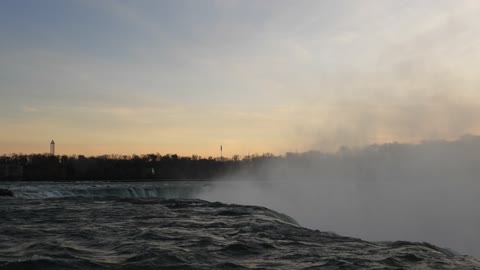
{"x": 162, "y": 226}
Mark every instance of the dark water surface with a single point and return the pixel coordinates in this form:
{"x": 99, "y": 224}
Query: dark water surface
{"x": 124, "y": 226}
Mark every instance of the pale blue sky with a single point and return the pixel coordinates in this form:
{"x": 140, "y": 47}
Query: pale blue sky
{"x": 255, "y": 76}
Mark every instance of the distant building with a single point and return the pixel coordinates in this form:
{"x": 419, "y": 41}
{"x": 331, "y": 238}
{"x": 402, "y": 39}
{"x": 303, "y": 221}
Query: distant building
{"x": 11, "y": 172}
{"x": 52, "y": 148}
{"x": 291, "y": 155}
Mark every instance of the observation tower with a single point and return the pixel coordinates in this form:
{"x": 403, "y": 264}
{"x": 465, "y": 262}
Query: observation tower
{"x": 52, "y": 148}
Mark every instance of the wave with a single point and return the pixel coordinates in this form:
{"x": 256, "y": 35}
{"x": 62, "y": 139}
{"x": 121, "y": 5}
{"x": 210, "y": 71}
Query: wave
{"x": 149, "y": 233}
{"x": 101, "y": 190}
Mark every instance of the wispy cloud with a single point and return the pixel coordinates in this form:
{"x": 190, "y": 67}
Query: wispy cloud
{"x": 318, "y": 73}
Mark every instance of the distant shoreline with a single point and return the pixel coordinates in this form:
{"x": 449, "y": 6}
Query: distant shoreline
{"x": 152, "y": 167}
{"x": 112, "y": 181}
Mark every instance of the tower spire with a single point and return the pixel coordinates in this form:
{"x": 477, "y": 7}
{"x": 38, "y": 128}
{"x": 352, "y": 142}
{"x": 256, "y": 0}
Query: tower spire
{"x": 52, "y": 148}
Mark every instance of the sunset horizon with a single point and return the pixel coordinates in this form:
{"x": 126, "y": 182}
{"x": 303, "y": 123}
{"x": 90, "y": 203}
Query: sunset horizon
{"x": 186, "y": 77}
{"x": 239, "y": 134}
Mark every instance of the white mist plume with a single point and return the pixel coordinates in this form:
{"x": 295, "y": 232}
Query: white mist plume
{"x": 417, "y": 192}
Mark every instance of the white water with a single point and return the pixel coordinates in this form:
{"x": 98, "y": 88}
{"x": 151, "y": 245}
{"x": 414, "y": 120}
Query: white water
{"x": 166, "y": 190}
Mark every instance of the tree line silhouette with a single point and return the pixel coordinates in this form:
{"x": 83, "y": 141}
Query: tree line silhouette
{"x": 392, "y": 161}
{"x": 41, "y": 167}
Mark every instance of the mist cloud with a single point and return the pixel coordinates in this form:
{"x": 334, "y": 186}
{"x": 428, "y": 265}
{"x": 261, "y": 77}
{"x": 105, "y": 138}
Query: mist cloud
{"x": 417, "y": 192}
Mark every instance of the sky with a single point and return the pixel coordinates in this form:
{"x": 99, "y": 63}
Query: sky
{"x": 124, "y": 77}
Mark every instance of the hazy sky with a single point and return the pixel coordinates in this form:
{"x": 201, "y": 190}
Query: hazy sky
{"x": 128, "y": 77}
